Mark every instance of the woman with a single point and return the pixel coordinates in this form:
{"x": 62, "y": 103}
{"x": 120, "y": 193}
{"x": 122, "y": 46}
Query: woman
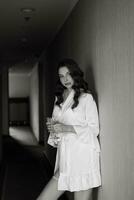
{"x": 73, "y": 128}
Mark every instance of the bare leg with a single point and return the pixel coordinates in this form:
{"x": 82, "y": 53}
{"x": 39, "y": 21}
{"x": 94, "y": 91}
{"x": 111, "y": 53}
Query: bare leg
{"x": 50, "y": 192}
{"x": 83, "y": 195}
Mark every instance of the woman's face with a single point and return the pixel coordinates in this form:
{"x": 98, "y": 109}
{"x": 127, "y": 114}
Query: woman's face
{"x": 65, "y": 77}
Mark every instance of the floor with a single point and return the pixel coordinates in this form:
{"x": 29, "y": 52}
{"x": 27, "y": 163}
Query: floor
{"x": 25, "y": 169}
{"x": 23, "y": 134}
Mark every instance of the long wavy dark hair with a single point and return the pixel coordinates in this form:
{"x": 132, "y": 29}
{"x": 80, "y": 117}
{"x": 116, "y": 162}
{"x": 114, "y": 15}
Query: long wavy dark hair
{"x": 79, "y": 86}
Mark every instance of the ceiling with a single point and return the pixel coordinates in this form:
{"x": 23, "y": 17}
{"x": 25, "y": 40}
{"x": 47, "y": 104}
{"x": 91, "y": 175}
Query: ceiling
{"x": 25, "y": 34}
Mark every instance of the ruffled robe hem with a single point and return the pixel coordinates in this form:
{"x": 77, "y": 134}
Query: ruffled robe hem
{"x": 78, "y": 182}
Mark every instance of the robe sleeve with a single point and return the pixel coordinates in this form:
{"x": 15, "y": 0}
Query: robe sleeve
{"x": 88, "y": 130}
{"x": 52, "y": 141}
{"x": 92, "y": 115}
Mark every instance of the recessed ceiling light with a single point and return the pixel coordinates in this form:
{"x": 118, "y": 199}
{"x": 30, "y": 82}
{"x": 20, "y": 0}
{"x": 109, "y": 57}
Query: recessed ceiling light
{"x": 27, "y": 10}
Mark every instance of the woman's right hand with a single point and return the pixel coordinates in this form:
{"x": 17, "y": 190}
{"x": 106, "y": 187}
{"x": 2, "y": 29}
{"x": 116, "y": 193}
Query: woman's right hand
{"x": 50, "y": 122}
{"x": 51, "y": 129}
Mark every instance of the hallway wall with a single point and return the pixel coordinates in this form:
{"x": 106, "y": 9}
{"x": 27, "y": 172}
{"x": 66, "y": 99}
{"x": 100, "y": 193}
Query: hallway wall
{"x": 34, "y": 101}
{"x": 19, "y": 85}
{"x": 0, "y": 116}
{"x": 47, "y": 89}
{"x": 100, "y": 36}
{"x": 5, "y": 100}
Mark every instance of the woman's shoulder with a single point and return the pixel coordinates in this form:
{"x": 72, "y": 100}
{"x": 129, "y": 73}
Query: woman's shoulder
{"x": 87, "y": 94}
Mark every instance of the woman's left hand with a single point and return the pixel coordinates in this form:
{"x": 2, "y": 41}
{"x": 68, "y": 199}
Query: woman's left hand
{"x": 62, "y": 128}
{"x": 58, "y": 128}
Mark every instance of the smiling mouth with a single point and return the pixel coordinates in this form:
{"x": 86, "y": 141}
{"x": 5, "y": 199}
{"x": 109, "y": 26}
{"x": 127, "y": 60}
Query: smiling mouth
{"x": 67, "y": 83}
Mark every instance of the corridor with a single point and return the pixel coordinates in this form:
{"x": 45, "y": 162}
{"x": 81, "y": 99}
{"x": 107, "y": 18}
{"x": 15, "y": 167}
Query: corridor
{"x": 35, "y": 36}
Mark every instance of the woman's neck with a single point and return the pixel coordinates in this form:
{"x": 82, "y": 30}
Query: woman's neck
{"x": 66, "y": 93}
{"x": 69, "y": 90}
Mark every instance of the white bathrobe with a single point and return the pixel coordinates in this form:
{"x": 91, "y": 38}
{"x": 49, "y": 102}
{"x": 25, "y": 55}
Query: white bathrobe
{"x": 77, "y": 160}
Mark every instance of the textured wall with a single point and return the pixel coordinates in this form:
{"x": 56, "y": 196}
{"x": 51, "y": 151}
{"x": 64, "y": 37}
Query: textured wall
{"x": 100, "y": 36}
